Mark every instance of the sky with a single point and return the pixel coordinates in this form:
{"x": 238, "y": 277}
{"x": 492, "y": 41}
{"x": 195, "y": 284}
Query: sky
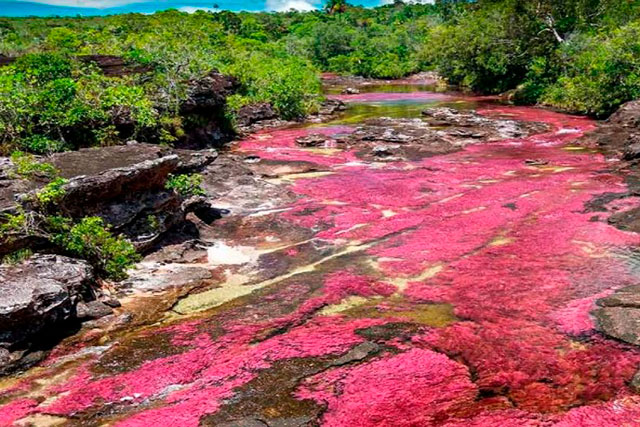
{"x": 107, "y": 7}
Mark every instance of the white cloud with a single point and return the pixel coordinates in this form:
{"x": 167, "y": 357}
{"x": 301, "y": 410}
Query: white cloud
{"x": 194, "y": 9}
{"x": 96, "y": 4}
{"x": 285, "y": 5}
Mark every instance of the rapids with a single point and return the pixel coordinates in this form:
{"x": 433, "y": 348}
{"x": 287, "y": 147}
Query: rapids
{"x": 454, "y": 290}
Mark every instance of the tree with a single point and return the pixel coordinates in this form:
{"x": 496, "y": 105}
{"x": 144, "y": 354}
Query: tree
{"x": 336, "y": 6}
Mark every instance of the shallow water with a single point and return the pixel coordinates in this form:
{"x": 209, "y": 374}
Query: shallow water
{"x": 454, "y": 290}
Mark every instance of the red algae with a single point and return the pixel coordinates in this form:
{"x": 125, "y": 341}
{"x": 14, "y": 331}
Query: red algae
{"x": 417, "y": 387}
{"x": 497, "y": 231}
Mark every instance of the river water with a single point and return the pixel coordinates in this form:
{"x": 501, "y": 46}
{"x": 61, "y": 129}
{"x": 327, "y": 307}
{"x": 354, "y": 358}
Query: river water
{"x": 452, "y": 290}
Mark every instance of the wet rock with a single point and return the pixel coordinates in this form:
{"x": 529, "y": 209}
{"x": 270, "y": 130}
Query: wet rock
{"x": 92, "y": 310}
{"x": 315, "y": 140}
{"x": 230, "y": 183}
{"x": 358, "y": 353}
{"x": 635, "y": 382}
{"x": 536, "y": 162}
{"x": 618, "y": 315}
{"x": 350, "y": 91}
{"x": 443, "y": 131}
{"x": 628, "y": 220}
{"x": 382, "y": 151}
{"x": 331, "y": 107}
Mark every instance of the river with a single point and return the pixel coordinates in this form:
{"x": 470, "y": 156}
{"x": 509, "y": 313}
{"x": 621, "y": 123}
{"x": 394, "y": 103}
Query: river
{"x": 449, "y": 290}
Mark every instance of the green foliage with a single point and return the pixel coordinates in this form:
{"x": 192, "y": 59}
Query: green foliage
{"x": 13, "y": 223}
{"x": 290, "y": 85}
{"x": 601, "y": 73}
{"x": 186, "y": 185}
{"x": 63, "y": 39}
{"x": 28, "y": 167}
{"x": 51, "y": 193}
{"x": 92, "y": 240}
{"x": 40, "y": 144}
{"x": 17, "y": 257}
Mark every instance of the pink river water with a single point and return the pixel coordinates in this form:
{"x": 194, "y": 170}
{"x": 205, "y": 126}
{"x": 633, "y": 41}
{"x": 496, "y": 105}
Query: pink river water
{"x": 506, "y": 246}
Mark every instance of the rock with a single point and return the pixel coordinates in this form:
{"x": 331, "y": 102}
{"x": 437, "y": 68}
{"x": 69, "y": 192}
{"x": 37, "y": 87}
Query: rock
{"x": 628, "y": 220}
{"x": 350, "y": 91}
{"x": 382, "y": 151}
{"x": 37, "y": 296}
{"x": 114, "y": 66}
{"x": 92, "y": 310}
{"x": 536, "y": 162}
{"x": 6, "y": 60}
{"x": 618, "y": 315}
{"x": 195, "y": 161}
{"x": 204, "y": 117}
{"x": 635, "y": 382}
{"x": 358, "y": 353}
{"x": 618, "y": 133}
{"x": 315, "y": 140}
{"x": 92, "y": 161}
{"x": 622, "y": 323}
{"x": 254, "y": 113}
{"x": 632, "y": 150}
{"x": 208, "y": 93}
{"x": 331, "y": 107}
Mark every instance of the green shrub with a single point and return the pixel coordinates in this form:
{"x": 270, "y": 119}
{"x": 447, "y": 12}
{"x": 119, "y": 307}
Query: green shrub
{"x": 40, "y": 144}
{"x": 51, "y": 193}
{"x": 91, "y": 239}
{"x": 186, "y": 185}
{"x": 290, "y": 85}
{"x": 13, "y": 223}
{"x": 28, "y": 167}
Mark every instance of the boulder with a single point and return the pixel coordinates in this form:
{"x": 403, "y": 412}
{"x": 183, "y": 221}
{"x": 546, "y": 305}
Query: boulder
{"x": 40, "y": 293}
{"x": 254, "y": 113}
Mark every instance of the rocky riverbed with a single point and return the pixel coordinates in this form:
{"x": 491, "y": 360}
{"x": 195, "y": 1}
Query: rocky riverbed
{"x": 436, "y": 265}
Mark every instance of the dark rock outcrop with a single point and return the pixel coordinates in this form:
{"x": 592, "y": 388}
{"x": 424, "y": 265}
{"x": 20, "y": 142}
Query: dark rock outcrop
{"x": 38, "y": 296}
{"x": 619, "y": 135}
{"x": 203, "y": 111}
{"x": 114, "y": 66}
{"x": 254, "y": 113}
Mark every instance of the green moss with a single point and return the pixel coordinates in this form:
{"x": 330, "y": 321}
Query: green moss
{"x": 186, "y": 185}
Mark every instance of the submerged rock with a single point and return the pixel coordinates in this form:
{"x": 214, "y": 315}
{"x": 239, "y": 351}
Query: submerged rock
{"x": 443, "y": 130}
